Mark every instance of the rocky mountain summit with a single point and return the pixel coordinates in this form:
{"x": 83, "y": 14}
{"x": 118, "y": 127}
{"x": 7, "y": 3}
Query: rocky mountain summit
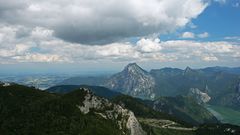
{"x": 189, "y": 71}
{"x": 134, "y": 81}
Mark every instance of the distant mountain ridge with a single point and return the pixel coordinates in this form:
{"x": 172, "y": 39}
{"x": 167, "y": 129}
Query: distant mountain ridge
{"x": 85, "y": 80}
{"x": 217, "y": 82}
{"x": 233, "y": 70}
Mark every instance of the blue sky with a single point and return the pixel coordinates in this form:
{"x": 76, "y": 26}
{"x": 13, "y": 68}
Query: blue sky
{"x": 52, "y": 36}
{"x": 220, "y": 20}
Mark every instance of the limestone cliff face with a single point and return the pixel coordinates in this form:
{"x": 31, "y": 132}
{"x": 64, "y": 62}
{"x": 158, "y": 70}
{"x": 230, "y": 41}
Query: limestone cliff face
{"x": 125, "y": 119}
{"x": 134, "y": 81}
{"x": 199, "y": 96}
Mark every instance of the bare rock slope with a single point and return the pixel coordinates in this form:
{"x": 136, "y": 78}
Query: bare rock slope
{"x": 124, "y": 118}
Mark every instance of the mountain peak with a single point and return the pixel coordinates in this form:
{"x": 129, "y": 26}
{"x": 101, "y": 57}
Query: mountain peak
{"x": 189, "y": 70}
{"x": 133, "y": 67}
{"x": 133, "y": 80}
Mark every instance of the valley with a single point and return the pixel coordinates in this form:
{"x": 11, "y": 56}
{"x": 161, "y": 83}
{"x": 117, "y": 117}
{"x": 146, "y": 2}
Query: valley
{"x": 224, "y": 114}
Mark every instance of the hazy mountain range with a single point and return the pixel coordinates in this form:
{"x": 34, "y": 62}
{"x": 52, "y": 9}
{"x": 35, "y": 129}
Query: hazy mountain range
{"x": 219, "y": 84}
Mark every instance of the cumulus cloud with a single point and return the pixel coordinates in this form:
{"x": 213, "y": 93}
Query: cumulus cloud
{"x": 38, "y": 58}
{"x": 149, "y": 45}
{"x": 193, "y": 35}
{"x": 232, "y": 38}
{"x": 61, "y": 32}
{"x": 41, "y": 46}
{"x": 100, "y": 22}
{"x": 203, "y": 35}
{"x": 210, "y": 58}
{"x": 187, "y": 35}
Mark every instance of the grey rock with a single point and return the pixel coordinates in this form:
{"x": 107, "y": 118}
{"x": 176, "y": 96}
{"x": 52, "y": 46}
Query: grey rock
{"x": 199, "y": 96}
{"x": 125, "y": 119}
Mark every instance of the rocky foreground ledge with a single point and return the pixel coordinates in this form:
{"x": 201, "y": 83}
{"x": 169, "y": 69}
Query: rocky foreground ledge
{"x": 125, "y": 119}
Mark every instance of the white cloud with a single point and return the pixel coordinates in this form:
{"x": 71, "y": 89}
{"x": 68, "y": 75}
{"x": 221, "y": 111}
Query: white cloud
{"x": 36, "y": 57}
{"x": 41, "y": 33}
{"x": 149, "y": 45}
{"x": 232, "y": 38}
{"x": 34, "y": 8}
{"x": 193, "y": 35}
{"x": 188, "y": 35}
{"x": 95, "y": 21}
{"x": 203, "y": 35}
{"x": 21, "y": 48}
{"x": 41, "y": 46}
{"x": 210, "y": 58}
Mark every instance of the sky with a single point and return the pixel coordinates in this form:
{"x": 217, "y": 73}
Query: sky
{"x": 104, "y": 35}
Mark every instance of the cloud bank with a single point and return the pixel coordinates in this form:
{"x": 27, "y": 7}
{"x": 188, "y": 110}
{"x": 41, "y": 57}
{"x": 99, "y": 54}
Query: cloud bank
{"x": 61, "y": 31}
{"x": 41, "y": 46}
{"x": 101, "y": 21}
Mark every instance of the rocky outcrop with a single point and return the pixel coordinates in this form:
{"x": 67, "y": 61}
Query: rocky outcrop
{"x": 125, "y": 119}
{"x": 5, "y": 84}
{"x": 199, "y": 96}
{"x": 134, "y": 81}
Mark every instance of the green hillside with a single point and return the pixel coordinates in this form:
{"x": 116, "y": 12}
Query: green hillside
{"x": 141, "y": 110}
{"x": 26, "y": 111}
{"x": 29, "y": 111}
{"x": 184, "y": 108}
